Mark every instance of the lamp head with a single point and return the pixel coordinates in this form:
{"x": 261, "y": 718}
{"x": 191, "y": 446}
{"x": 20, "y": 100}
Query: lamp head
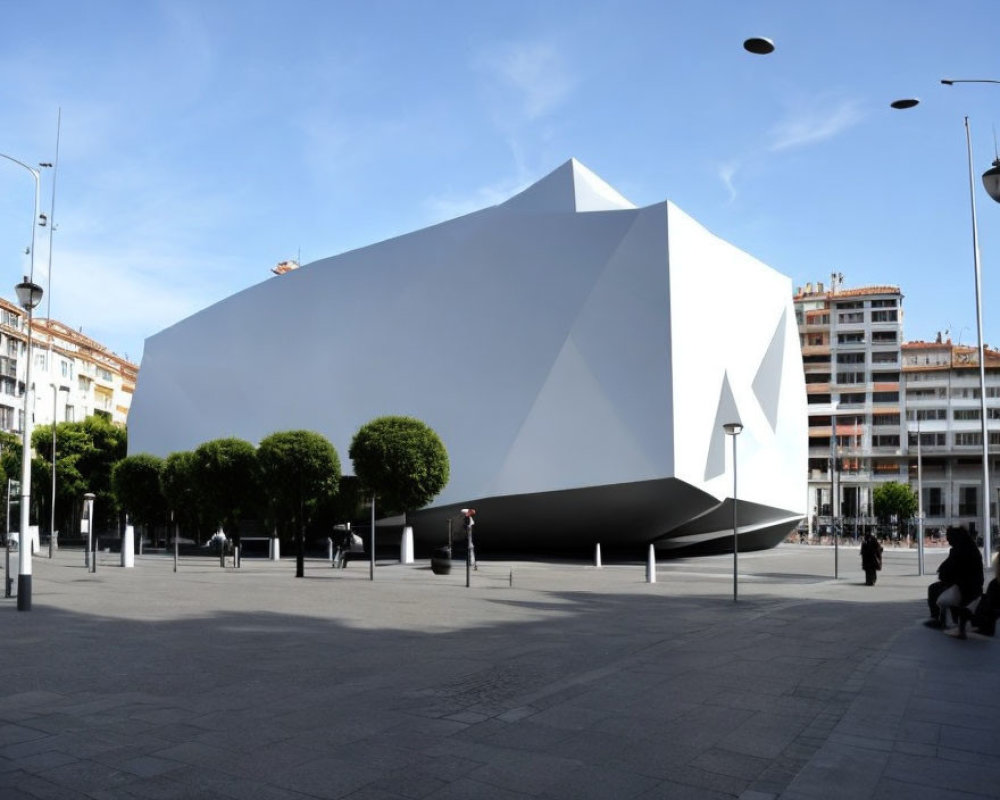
{"x": 991, "y": 180}
{"x": 759, "y": 46}
{"x": 29, "y": 294}
{"x": 733, "y": 428}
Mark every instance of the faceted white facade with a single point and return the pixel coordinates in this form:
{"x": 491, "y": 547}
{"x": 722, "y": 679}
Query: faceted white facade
{"x": 577, "y": 355}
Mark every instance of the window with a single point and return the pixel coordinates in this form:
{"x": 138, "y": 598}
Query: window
{"x": 847, "y": 317}
{"x": 6, "y": 418}
{"x": 927, "y": 439}
{"x": 70, "y": 414}
{"x": 968, "y": 439}
{"x": 966, "y": 414}
{"x": 884, "y": 358}
{"x": 852, "y": 398}
{"x": 884, "y": 303}
{"x": 883, "y": 336}
{"x": 885, "y": 419}
{"x": 850, "y": 377}
{"x": 965, "y": 392}
{"x": 103, "y": 374}
{"x": 850, "y": 358}
{"x": 884, "y": 316}
{"x": 885, "y": 377}
{"x": 935, "y": 506}
{"x": 849, "y": 304}
{"x": 968, "y": 503}
{"x": 886, "y": 440}
{"x": 924, "y": 414}
{"x": 885, "y": 397}
{"x": 40, "y": 360}
{"x": 854, "y": 337}
{"x": 818, "y": 377}
{"x": 66, "y": 369}
{"x": 12, "y": 347}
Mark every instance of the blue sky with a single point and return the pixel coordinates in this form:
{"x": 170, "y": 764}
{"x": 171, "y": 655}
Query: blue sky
{"x": 203, "y": 142}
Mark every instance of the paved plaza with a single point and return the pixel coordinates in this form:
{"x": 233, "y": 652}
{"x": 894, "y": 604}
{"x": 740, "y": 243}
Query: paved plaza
{"x": 541, "y": 680}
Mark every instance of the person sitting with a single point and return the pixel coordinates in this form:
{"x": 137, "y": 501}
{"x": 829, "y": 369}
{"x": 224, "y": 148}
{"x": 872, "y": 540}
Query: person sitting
{"x": 960, "y": 581}
{"x": 984, "y": 618}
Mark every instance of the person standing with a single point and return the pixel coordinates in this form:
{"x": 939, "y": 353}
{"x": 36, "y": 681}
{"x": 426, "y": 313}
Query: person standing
{"x": 871, "y": 558}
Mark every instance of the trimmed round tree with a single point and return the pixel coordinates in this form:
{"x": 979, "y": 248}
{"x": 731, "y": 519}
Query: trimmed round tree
{"x": 179, "y": 485}
{"x": 135, "y": 482}
{"x": 400, "y": 460}
{"x": 300, "y": 471}
{"x": 228, "y": 484}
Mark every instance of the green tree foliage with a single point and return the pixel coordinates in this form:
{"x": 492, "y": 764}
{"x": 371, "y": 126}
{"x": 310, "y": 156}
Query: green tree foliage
{"x": 135, "y": 480}
{"x": 179, "y": 484}
{"x": 894, "y": 499}
{"x": 227, "y": 475}
{"x": 401, "y": 460}
{"x": 85, "y": 454}
{"x": 300, "y": 472}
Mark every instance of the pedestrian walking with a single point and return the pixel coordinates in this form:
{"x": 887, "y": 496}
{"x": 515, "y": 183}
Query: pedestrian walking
{"x": 871, "y": 558}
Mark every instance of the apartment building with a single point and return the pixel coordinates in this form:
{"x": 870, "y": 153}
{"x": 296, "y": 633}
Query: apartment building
{"x": 73, "y": 376}
{"x": 851, "y": 351}
{"x": 942, "y": 405}
{"x": 870, "y": 394}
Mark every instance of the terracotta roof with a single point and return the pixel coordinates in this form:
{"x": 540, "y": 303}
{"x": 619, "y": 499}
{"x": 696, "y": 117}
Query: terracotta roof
{"x": 859, "y": 292}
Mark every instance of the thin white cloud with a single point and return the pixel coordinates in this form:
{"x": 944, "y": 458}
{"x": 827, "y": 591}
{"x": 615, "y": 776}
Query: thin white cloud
{"x": 824, "y": 118}
{"x": 727, "y": 173}
{"x": 530, "y": 78}
{"x": 445, "y": 207}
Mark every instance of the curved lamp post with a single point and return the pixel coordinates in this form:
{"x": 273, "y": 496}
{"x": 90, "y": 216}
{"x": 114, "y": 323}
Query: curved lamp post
{"x": 733, "y": 429}
{"x": 991, "y": 182}
{"x": 29, "y": 295}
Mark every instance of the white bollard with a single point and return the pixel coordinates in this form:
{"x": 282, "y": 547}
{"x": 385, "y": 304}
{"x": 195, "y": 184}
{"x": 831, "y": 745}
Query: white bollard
{"x": 329, "y": 549}
{"x": 597, "y": 555}
{"x": 275, "y": 548}
{"x": 406, "y": 546}
{"x": 128, "y": 547}
{"x": 651, "y": 566}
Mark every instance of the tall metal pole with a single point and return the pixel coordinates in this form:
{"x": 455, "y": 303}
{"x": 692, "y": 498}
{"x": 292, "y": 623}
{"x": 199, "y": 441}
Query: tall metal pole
{"x": 920, "y": 506}
{"x": 987, "y": 528}
{"x": 371, "y": 545}
{"x": 53, "y": 536}
{"x": 733, "y": 429}
{"x": 736, "y": 544}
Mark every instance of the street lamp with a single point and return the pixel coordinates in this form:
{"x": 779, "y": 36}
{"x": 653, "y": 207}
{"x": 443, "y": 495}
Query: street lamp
{"x": 29, "y": 295}
{"x": 991, "y": 181}
{"x": 733, "y": 429}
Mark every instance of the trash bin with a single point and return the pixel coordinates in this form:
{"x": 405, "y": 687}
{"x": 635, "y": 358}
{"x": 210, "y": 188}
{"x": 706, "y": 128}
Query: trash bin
{"x": 441, "y": 561}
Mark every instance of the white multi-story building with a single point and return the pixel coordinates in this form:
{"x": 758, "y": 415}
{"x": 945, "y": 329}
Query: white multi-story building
{"x": 72, "y": 375}
{"x": 851, "y": 342}
{"x": 870, "y": 393}
{"x": 943, "y": 406}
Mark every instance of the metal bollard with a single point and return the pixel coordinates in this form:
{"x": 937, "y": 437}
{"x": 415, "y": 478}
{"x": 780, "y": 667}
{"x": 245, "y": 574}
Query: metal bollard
{"x": 512, "y": 579}
{"x": 651, "y": 566}
{"x": 597, "y": 555}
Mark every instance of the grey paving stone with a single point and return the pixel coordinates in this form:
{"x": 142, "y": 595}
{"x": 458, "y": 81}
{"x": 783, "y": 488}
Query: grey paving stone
{"x": 574, "y": 683}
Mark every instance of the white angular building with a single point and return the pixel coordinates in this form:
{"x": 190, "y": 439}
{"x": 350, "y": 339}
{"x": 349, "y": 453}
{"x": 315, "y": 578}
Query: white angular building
{"x": 577, "y": 355}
